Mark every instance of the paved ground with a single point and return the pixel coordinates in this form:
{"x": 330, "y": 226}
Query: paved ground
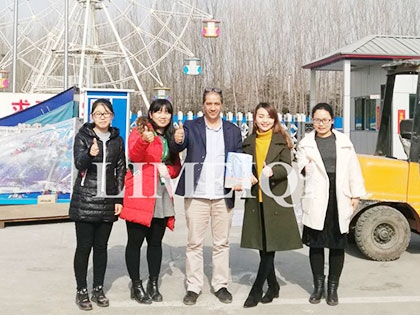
{"x": 36, "y": 277}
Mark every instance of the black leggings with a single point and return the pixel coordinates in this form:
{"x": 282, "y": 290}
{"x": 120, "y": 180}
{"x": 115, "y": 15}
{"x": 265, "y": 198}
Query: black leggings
{"x": 336, "y": 262}
{"x": 265, "y": 271}
{"x": 88, "y": 235}
{"x": 136, "y": 234}
{"x": 266, "y": 268}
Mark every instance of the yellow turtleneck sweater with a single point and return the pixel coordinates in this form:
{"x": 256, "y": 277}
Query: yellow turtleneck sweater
{"x": 262, "y": 143}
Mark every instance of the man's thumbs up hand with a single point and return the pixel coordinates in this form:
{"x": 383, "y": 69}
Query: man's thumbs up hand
{"x": 179, "y": 133}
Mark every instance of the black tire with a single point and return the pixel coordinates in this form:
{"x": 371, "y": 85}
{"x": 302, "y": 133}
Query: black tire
{"x": 382, "y": 233}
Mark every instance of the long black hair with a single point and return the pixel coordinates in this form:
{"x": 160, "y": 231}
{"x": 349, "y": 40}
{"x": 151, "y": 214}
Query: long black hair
{"x": 168, "y": 132}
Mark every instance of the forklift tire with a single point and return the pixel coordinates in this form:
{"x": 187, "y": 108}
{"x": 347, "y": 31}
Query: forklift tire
{"x": 382, "y": 233}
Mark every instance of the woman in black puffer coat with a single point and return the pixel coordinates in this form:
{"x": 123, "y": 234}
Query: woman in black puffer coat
{"x": 95, "y": 204}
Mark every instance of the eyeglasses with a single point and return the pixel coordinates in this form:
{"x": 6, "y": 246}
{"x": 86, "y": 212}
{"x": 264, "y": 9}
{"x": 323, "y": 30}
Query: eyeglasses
{"x": 217, "y": 90}
{"x": 99, "y": 115}
{"x": 324, "y": 121}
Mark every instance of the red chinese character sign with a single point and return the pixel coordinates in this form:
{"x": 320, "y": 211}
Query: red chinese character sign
{"x": 11, "y": 103}
{"x": 21, "y": 105}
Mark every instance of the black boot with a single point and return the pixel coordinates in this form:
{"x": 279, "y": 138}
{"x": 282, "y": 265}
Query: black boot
{"x": 153, "y": 289}
{"x": 332, "y": 297}
{"x": 253, "y": 298}
{"x": 82, "y": 300}
{"x": 273, "y": 288}
{"x": 319, "y": 284}
{"x": 138, "y": 293}
{"x": 98, "y": 296}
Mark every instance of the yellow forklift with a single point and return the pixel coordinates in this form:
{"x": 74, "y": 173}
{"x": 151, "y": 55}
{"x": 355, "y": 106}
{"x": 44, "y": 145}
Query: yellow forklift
{"x": 390, "y": 211}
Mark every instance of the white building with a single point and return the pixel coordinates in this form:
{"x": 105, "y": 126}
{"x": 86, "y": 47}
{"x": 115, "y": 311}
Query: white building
{"x": 364, "y": 86}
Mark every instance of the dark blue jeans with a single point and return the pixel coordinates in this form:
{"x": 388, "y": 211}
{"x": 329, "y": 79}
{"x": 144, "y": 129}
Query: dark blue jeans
{"x": 91, "y": 235}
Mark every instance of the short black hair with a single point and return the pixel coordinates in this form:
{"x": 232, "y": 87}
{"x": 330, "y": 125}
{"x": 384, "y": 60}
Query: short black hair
{"x": 104, "y": 102}
{"x": 324, "y": 106}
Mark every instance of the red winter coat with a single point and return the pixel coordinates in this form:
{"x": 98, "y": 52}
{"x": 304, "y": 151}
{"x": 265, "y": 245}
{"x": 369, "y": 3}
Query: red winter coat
{"x": 139, "y": 205}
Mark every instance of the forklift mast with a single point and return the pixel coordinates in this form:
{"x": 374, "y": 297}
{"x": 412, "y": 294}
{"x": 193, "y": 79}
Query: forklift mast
{"x": 384, "y": 142}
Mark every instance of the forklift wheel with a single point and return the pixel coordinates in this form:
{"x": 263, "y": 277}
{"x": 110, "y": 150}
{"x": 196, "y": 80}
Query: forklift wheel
{"x": 382, "y": 233}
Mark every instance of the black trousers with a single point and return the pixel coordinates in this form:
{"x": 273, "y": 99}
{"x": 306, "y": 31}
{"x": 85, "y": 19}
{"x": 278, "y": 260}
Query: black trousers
{"x": 136, "y": 234}
{"x": 336, "y": 262}
{"x": 91, "y": 235}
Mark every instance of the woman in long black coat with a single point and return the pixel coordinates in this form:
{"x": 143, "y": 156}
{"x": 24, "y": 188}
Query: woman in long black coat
{"x": 269, "y": 223}
{"x": 99, "y": 158}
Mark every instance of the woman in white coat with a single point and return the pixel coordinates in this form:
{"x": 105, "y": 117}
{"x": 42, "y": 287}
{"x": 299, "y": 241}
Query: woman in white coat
{"x": 333, "y": 187}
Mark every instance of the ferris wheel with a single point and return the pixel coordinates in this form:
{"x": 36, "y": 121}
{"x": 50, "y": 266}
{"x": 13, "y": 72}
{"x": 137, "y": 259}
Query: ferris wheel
{"x": 110, "y": 43}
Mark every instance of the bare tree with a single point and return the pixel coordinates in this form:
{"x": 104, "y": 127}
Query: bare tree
{"x": 262, "y": 48}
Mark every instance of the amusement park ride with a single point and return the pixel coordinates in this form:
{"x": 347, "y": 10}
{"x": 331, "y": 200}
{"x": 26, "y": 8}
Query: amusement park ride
{"x": 97, "y": 43}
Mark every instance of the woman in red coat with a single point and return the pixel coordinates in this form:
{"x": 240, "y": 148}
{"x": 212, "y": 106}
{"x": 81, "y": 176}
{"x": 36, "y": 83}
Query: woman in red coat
{"x": 148, "y": 202}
